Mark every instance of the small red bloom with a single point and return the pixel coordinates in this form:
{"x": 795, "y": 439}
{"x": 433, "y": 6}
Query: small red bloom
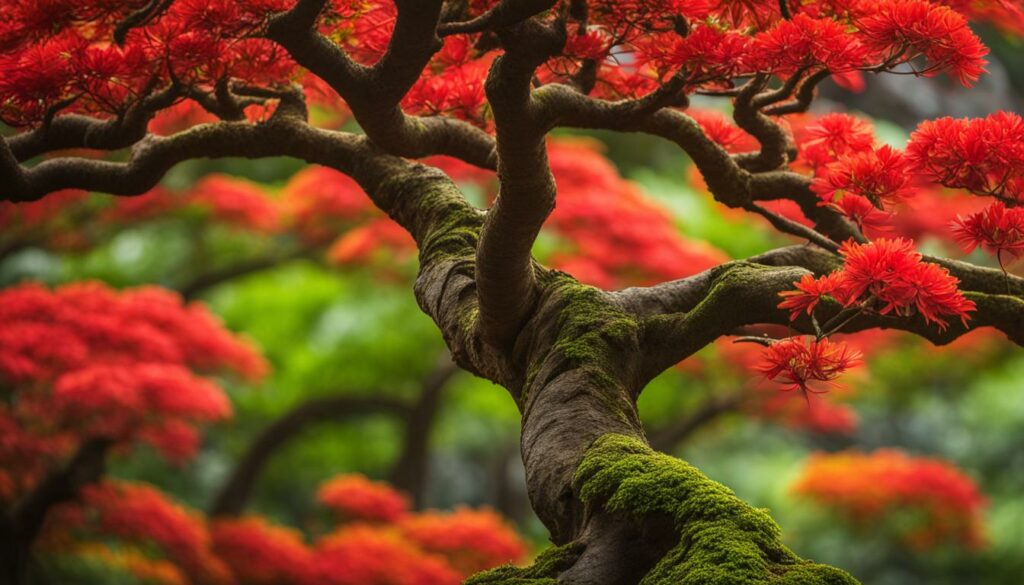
{"x": 834, "y": 135}
{"x": 982, "y": 155}
{"x": 996, "y": 229}
{"x": 358, "y": 498}
{"x": 883, "y": 176}
{"x": 796, "y": 364}
{"x": 903, "y": 29}
{"x": 867, "y": 487}
{"x": 862, "y": 212}
{"x": 809, "y": 293}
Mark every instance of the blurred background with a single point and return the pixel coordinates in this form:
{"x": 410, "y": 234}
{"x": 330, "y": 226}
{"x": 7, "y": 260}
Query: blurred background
{"x": 331, "y": 307}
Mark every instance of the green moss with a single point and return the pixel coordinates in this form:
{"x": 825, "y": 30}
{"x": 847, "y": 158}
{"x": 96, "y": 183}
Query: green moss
{"x": 591, "y": 328}
{"x": 454, "y": 232}
{"x": 722, "y": 540}
{"x": 544, "y": 570}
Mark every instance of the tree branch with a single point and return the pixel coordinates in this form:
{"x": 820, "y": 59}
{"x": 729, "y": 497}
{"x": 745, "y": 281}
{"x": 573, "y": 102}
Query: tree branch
{"x": 409, "y": 472}
{"x": 503, "y": 14}
{"x": 234, "y": 494}
{"x": 198, "y": 285}
{"x": 373, "y": 93}
{"x": 505, "y": 277}
{"x": 666, "y": 438}
{"x": 20, "y": 529}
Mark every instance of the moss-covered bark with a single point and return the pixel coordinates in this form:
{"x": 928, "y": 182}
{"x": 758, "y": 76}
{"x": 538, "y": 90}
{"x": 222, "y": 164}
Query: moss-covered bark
{"x": 721, "y": 539}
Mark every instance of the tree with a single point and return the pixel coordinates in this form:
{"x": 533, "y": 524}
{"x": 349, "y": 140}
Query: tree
{"x": 484, "y": 83}
{"x": 126, "y": 371}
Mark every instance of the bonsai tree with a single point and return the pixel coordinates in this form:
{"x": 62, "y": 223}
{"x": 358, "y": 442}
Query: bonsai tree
{"x": 485, "y": 83}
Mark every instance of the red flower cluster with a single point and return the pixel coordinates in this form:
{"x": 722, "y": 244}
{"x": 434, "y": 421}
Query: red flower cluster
{"x": 866, "y": 488}
{"x": 881, "y": 176}
{"x": 796, "y": 363}
{"x": 176, "y": 545}
{"x": 261, "y": 553}
{"x": 143, "y": 514}
{"x": 320, "y": 202}
{"x": 378, "y": 237}
{"x": 57, "y": 55}
{"x": 887, "y": 276}
{"x": 619, "y": 237}
{"x": 354, "y": 497}
{"x": 237, "y": 202}
{"x": 806, "y": 43}
{"x": 18, "y": 219}
{"x": 471, "y": 540}
{"x": 365, "y": 555}
{"x": 833, "y": 136}
{"x": 87, "y": 361}
{"x": 996, "y": 229}
{"x": 982, "y": 155}
{"x": 899, "y": 30}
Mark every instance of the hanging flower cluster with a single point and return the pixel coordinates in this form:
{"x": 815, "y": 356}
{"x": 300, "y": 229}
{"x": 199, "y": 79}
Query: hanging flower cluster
{"x": 796, "y": 363}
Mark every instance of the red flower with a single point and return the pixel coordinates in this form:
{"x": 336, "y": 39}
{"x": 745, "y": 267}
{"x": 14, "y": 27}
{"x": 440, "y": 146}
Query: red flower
{"x": 862, "y": 212}
{"x": 883, "y": 176}
{"x": 903, "y": 29}
{"x": 140, "y": 513}
{"x": 470, "y": 540}
{"x": 358, "y": 498}
{"x": 867, "y": 487}
{"x": 982, "y": 155}
{"x": 805, "y": 42}
{"x": 721, "y": 130}
{"x": 891, "y": 271}
{"x": 809, "y": 293}
{"x": 996, "y": 229}
{"x": 834, "y": 135}
{"x": 236, "y": 201}
{"x": 796, "y": 364}
{"x": 261, "y": 553}
{"x": 378, "y": 555}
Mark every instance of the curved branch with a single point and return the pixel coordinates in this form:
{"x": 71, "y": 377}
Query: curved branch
{"x": 505, "y": 277}
{"x": 409, "y": 472}
{"x": 77, "y": 131}
{"x": 666, "y": 438}
{"x": 505, "y": 13}
{"x": 234, "y": 494}
{"x": 374, "y": 93}
{"x": 20, "y": 529}
{"x": 682, "y": 316}
{"x": 200, "y": 284}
